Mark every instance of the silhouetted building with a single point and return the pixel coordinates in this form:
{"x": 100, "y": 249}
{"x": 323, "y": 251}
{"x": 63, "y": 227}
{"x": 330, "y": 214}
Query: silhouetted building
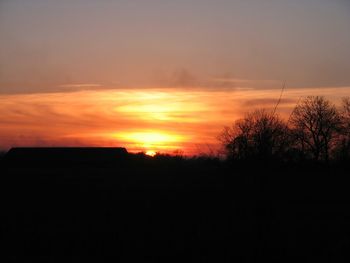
{"x": 65, "y": 155}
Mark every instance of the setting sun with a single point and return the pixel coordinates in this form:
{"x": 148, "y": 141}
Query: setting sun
{"x": 151, "y": 153}
{"x": 146, "y": 140}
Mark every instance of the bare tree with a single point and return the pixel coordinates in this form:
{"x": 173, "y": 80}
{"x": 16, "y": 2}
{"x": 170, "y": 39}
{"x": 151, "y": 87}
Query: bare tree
{"x": 343, "y": 147}
{"x": 345, "y": 115}
{"x": 315, "y": 123}
{"x": 259, "y": 134}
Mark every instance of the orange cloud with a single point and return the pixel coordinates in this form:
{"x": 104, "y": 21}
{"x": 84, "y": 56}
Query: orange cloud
{"x": 154, "y": 120}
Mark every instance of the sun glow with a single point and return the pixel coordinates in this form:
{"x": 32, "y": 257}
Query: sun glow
{"x": 162, "y": 106}
{"x": 151, "y": 139}
{"x": 151, "y": 153}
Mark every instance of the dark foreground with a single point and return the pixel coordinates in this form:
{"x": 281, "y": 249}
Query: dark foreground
{"x": 165, "y": 209}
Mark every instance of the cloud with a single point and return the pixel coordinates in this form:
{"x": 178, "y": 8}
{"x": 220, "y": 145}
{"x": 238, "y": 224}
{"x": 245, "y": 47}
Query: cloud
{"x": 267, "y": 102}
{"x": 183, "y": 78}
{"x": 227, "y": 81}
{"x": 71, "y": 87}
{"x": 180, "y": 77}
{"x": 80, "y": 85}
{"x": 92, "y": 117}
{"x": 231, "y": 80}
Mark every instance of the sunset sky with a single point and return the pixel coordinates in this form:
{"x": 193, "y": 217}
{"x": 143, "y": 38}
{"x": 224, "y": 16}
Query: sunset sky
{"x": 161, "y": 75}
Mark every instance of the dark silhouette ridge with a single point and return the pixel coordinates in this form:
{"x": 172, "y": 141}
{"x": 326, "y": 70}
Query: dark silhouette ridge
{"x": 64, "y": 155}
{"x": 169, "y": 209}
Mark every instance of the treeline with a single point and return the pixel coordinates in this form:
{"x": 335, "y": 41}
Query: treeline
{"x": 316, "y": 131}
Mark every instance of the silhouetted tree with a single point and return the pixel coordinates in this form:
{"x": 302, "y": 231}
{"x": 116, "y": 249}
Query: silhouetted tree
{"x": 259, "y": 135}
{"x": 315, "y": 123}
{"x": 345, "y": 115}
{"x": 343, "y": 147}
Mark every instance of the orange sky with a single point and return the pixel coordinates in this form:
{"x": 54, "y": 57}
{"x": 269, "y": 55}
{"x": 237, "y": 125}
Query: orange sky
{"x": 163, "y": 120}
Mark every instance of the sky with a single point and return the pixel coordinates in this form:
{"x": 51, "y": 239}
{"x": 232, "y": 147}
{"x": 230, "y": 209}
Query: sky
{"x": 180, "y": 64}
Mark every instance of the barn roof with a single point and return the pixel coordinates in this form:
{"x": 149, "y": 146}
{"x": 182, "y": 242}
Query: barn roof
{"x": 65, "y": 154}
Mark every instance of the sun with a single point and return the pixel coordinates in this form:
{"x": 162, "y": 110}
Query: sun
{"x": 151, "y": 153}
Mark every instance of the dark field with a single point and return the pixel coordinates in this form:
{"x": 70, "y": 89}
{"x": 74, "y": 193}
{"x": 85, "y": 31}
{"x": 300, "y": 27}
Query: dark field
{"x": 170, "y": 209}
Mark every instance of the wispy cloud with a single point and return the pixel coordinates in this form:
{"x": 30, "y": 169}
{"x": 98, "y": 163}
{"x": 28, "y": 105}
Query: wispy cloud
{"x": 231, "y": 80}
{"x": 267, "y": 102}
{"x": 227, "y": 81}
{"x": 100, "y": 117}
{"x": 80, "y": 85}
